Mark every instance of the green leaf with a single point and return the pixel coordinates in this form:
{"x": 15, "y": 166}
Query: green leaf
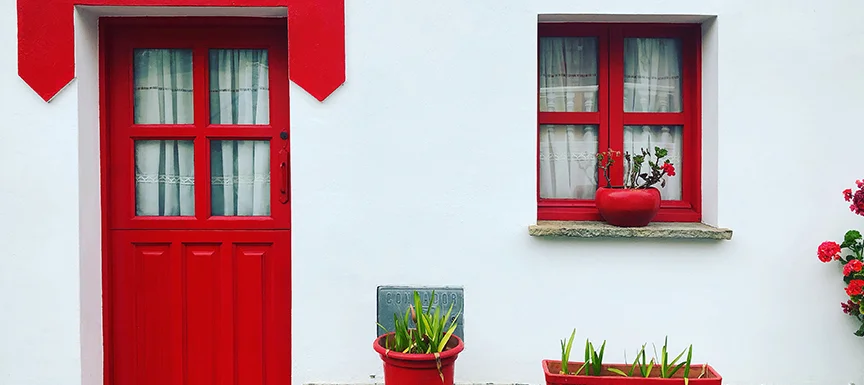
{"x": 602, "y": 348}
{"x": 677, "y": 367}
{"x": 587, "y": 352}
{"x": 565, "y": 351}
{"x": 446, "y": 338}
{"x": 650, "y": 368}
{"x": 851, "y": 236}
{"x": 678, "y": 357}
{"x": 618, "y": 372}
{"x": 860, "y": 331}
{"x": 687, "y": 362}
{"x": 581, "y": 368}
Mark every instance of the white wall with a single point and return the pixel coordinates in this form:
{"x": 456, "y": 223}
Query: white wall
{"x": 425, "y": 161}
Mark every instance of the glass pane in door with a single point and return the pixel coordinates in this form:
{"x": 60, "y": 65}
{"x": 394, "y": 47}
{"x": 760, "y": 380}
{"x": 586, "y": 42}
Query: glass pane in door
{"x": 239, "y": 86}
{"x": 164, "y": 178}
{"x": 163, "y": 86}
{"x": 240, "y": 177}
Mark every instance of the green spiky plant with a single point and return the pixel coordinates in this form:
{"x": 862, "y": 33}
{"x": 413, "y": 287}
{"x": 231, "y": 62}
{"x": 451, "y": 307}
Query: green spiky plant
{"x": 593, "y": 359}
{"x": 640, "y": 367}
{"x": 645, "y": 368}
{"x": 593, "y": 363}
{"x": 566, "y": 345}
{"x": 419, "y": 332}
{"x": 430, "y": 332}
{"x": 669, "y": 368}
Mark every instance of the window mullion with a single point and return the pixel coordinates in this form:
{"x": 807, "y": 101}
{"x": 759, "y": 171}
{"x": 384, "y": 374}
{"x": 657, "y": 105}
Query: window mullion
{"x": 615, "y": 91}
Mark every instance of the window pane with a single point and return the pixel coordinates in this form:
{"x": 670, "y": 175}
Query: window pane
{"x": 163, "y": 86}
{"x": 568, "y": 74}
{"x": 239, "y": 86}
{"x": 164, "y": 178}
{"x": 568, "y": 157}
{"x": 668, "y": 137}
{"x": 240, "y": 177}
{"x": 652, "y": 75}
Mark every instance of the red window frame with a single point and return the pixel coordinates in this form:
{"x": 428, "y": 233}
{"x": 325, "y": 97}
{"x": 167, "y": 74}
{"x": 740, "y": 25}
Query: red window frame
{"x": 611, "y": 118}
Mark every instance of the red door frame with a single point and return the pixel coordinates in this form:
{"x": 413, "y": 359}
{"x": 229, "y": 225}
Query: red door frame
{"x": 111, "y": 219}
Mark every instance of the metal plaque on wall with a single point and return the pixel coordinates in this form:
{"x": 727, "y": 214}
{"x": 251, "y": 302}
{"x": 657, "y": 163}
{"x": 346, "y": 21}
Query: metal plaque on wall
{"x": 395, "y": 299}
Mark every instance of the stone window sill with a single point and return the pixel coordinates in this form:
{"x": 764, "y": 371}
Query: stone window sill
{"x": 667, "y": 230}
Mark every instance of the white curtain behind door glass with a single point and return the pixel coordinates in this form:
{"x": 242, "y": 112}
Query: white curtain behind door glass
{"x": 239, "y": 86}
{"x": 163, "y": 95}
{"x": 164, "y": 178}
{"x": 568, "y": 83}
{"x": 163, "y": 86}
{"x": 240, "y": 177}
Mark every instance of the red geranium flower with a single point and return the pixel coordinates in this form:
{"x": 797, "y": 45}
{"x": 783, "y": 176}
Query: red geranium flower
{"x": 669, "y": 168}
{"x": 856, "y": 287}
{"x": 847, "y": 194}
{"x": 828, "y": 250}
{"x": 853, "y": 266}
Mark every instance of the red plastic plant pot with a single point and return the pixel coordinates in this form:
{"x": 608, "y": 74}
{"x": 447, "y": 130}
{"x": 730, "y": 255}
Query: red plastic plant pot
{"x": 628, "y": 207}
{"x": 553, "y": 368}
{"x": 418, "y": 369}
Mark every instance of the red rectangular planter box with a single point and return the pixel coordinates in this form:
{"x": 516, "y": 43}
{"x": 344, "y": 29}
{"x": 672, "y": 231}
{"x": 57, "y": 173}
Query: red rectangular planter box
{"x": 552, "y": 368}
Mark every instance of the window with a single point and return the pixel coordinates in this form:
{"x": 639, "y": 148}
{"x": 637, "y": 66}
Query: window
{"x": 618, "y": 86}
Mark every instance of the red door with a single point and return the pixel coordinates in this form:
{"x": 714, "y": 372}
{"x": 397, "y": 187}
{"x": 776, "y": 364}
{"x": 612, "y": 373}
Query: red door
{"x": 197, "y": 263}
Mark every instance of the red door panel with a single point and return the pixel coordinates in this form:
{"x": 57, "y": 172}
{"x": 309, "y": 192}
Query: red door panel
{"x": 197, "y": 273}
{"x": 201, "y": 307}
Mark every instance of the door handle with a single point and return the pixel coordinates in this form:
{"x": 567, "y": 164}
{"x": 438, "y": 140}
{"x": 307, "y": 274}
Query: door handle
{"x": 284, "y": 169}
{"x": 285, "y": 186}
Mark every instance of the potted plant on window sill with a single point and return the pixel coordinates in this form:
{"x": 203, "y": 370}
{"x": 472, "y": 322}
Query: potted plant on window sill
{"x": 636, "y": 203}
{"x": 424, "y": 354}
{"x": 659, "y": 371}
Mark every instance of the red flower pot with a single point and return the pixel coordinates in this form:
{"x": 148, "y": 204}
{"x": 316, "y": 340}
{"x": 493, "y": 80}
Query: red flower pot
{"x": 418, "y": 369}
{"x": 553, "y": 368}
{"x": 628, "y": 207}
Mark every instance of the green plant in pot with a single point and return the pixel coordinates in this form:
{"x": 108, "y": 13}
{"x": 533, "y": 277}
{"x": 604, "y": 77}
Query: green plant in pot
{"x": 421, "y": 349}
{"x": 661, "y": 369}
{"x": 636, "y": 202}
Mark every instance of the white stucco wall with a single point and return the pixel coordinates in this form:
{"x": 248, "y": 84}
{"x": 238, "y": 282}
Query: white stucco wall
{"x": 424, "y": 161}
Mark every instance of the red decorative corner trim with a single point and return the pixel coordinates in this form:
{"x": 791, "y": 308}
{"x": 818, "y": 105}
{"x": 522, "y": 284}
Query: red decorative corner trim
{"x": 316, "y": 35}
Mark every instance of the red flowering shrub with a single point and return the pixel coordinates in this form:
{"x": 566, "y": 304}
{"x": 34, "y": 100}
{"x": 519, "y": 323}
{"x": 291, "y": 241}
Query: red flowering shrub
{"x": 853, "y": 263}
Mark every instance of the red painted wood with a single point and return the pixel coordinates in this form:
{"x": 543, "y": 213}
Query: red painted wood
{"x": 198, "y": 300}
{"x": 613, "y": 118}
{"x": 568, "y": 209}
{"x": 122, "y": 41}
{"x": 46, "y": 41}
{"x": 200, "y": 307}
{"x": 46, "y": 45}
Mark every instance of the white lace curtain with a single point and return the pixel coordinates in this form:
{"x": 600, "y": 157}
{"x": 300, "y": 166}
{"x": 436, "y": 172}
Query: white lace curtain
{"x": 164, "y": 169}
{"x": 568, "y": 83}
